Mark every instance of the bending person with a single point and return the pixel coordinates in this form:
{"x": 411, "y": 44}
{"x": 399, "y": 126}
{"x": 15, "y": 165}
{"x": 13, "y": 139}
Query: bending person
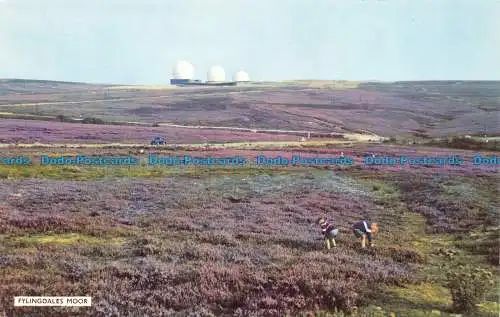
{"x": 329, "y": 232}
{"x": 363, "y": 229}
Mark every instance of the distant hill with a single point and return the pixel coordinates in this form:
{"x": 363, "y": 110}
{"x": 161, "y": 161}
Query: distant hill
{"x": 17, "y": 81}
{"x": 16, "y": 85}
{"x": 432, "y": 108}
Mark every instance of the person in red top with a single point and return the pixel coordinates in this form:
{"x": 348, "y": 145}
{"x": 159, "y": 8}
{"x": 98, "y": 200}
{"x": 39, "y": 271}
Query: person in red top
{"x": 329, "y": 232}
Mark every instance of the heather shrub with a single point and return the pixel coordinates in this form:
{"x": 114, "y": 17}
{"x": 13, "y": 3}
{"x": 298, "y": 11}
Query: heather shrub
{"x": 482, "y": 243}
{"x": 41, "y": 224}
{"x": 451, "y": 205}
{"x": 468, "y": 144}
{"x": 468, "y": 285}
{"x": 406, "y": 256}
{"x": 92, "y": 120}
{"x": 494, "y": 256}
{"x": 221, "y": 238}
{"x": 63, "y": 118}
{"x": 146, "y": 246}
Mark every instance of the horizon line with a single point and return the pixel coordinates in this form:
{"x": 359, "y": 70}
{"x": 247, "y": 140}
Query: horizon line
{"x": 262, "y": 81}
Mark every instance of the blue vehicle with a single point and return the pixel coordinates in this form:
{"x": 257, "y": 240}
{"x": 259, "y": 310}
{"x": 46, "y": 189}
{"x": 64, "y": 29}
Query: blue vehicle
{"x": 158, "y": 141}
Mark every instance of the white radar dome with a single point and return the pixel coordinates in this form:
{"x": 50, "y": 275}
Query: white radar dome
{"x": 216, "y": 73}
{"x": 241, "y": 76}
{"x": 183, "y": 70}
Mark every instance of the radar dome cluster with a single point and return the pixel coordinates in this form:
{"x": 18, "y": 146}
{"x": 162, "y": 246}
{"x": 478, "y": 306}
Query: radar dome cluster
{"x": 183, "y": 74}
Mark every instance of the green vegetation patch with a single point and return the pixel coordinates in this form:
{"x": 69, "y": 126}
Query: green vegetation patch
{"x": 425, "y": 294}
{"x": 63, "y": 239}
{"x": 95, "y": 173}
{"x": 489, "y": 307}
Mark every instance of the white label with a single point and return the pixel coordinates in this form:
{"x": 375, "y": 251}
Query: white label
{"x": 53, "y": 301}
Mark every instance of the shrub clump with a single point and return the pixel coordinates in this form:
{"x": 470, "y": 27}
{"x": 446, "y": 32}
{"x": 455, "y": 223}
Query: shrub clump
{"x": 406, "y": 256}
{"x": 468, "y": 285}
{"x": 494, "y": 256}
{"x": 91, "y": 120}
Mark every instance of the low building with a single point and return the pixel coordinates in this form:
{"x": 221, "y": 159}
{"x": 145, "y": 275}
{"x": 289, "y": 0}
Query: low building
{"x": 179, "y": 81}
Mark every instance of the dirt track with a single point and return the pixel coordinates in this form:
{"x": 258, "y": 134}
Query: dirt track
{"x": 81, "y": 101}
{"x": 347, "y": 139}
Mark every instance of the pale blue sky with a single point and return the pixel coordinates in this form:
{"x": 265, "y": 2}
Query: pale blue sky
{"x": 138, "y": 41}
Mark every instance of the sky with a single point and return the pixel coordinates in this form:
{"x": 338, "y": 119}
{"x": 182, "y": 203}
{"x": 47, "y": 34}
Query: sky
{"x": 138, "y": 41}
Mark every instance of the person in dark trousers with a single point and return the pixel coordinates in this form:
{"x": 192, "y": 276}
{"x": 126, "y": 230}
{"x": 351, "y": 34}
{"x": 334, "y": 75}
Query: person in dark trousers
{"x": 329, "y": 232}
{"x": 363, "y": 230}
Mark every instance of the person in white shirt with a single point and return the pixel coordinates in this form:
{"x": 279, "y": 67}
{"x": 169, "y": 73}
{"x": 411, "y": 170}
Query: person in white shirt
{"x": 363, "y": 230}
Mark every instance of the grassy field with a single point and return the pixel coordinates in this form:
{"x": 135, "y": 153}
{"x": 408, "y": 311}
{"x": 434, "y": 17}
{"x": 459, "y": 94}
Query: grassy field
{"x": 244, "y": 242}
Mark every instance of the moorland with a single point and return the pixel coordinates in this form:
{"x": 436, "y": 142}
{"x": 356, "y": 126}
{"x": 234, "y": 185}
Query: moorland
{"x": 220, "y": 241}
